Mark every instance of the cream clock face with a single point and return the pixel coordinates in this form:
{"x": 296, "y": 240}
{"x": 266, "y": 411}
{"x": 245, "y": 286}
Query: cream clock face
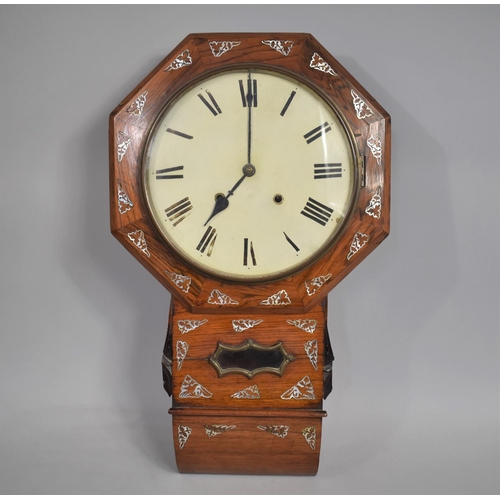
{"x": 249, "y": 175}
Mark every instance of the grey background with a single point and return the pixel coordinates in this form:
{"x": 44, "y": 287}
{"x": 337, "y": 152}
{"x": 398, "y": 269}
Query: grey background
{"x": 415, "y": 328}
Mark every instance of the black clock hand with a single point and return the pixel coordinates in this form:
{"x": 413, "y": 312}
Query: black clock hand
{"x": 245, "y": 174}
{"x": 222, "y": 202}
{"x": 250, "y": 105}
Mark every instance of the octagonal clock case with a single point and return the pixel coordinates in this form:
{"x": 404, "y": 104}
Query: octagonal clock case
{"x": 249, "y": 173}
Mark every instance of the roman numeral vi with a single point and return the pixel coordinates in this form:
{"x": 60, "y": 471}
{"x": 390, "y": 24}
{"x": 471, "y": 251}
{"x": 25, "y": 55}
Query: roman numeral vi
{"x": 248, "y": 251}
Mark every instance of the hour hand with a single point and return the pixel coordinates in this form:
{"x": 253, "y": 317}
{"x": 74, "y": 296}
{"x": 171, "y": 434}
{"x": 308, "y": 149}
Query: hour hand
{"x": 221, "y": 203}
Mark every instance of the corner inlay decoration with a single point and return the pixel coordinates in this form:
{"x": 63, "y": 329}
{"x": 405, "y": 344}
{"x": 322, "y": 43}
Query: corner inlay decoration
{"x": 139, "y": 240}
{"x": 180, "y": 281}
{"x": 309, "y": 434}
{"x": 312, "y": 286}
{"x": 317, "y": 62}
{"x": 358, "y": 242}
{"x": 192, "y": 389}
{"x": 302, "y": 390}
{"x": 362, "y": 109}
{"x": 183, "y": 59}
{"x": 138, "y": 105}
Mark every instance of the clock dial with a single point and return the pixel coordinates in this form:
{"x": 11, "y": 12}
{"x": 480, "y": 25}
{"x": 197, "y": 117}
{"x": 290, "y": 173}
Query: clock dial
{"x": 249, "y": 175}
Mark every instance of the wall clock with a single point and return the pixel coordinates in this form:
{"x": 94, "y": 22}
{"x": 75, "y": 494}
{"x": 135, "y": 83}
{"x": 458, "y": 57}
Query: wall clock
{"x": 249, "y": 173}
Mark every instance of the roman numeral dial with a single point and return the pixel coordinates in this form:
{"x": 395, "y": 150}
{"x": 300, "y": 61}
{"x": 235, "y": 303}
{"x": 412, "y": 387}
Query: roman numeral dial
{"x": 249, "y": 175}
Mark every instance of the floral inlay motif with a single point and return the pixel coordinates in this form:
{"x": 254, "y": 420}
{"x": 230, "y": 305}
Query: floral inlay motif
{"x": 183, "y": 59}
{"x": 123, "y": 144}
{"x": 139, "y": 240}
{"x": 124, "y": 202}
{"x": 313, "y": 285}
{"x": 183, "y": 433}
{"x": 192, "y": 389}
{"x": 219, "y": 298}
{"x": 302, "y": 390}
{"x": 374, "y": 208}
{"x": 280, "y": 298}
{"x": 187, "y": 325}
{"x": 358, "y": 242}
{"x": 219, "y": 48}
{"x": 180, "y": 281}
{"x": 362, "y": 109}
{"x": 317, "y": 62}
{"x": 251, "y": 392}
{"x": 276, "y": 430}
{"x": 138, "y": 105}
{"x": 282, "y": 46}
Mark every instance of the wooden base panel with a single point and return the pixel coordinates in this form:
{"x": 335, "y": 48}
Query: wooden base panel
{"x": 260, "y": 442}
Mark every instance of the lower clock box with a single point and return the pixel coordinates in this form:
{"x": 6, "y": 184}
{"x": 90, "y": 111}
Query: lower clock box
{"x": 256, "y": 442}
{"x": 247, "y": 392}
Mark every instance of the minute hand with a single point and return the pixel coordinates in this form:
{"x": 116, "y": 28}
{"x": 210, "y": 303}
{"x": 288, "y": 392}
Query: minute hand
{"x": 250, "y": 103}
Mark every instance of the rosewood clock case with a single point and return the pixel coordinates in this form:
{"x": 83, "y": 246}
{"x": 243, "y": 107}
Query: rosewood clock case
{"x": 248, "y": 364}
